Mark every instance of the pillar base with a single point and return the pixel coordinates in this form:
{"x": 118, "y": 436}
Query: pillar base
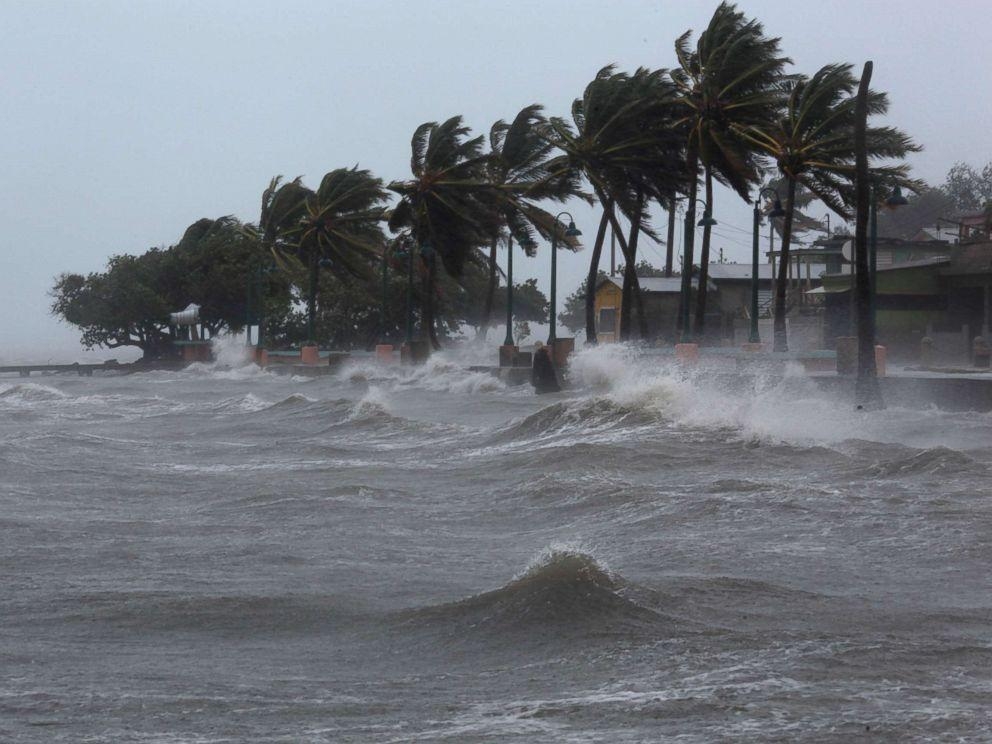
{"x": 507, "y": 355}
{"x": 753, "y": 347}
{"x": 310, "y": 355}
{"x": 563, "y": 349}
{"x": 384, "y": 353}
{"x": 415, "y": 352}
{"x": 263, "y": 357}
{"x": 847, "y": 355}
{"x": 687, "y": 353}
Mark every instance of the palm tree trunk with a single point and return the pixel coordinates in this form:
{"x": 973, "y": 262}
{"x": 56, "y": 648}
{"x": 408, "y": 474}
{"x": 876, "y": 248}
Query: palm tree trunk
{"x": 628, "y": 261}
{"x": 692, "y": 163}
{"x": 782, "y": 279}
{"x": 630, "y": 281}
{"x": 487, "y": 310}
{"x": 704, "y": 263}
{"x": 867, "y": 392}
{"x": 670, "y": 246}
{"x": 597, "y": 251}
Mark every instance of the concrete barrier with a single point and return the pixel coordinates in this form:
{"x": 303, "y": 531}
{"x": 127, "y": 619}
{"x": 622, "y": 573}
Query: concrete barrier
{"x": 310, "y": 355}
{"x": 415, "y": 352}
{"x": 507, "y": 355}
{"x": 563, "y": 349}
{"x": 881, "y": 356}
{"x": 687, "y": 353}
{"x": 384, "y": 353}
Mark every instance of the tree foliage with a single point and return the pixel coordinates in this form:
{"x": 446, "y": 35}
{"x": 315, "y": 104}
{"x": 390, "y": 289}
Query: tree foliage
{"x": 128, "y": 304}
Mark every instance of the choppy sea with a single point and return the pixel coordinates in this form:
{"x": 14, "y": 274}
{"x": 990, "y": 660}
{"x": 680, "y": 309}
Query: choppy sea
{"x": 223, "y": 554}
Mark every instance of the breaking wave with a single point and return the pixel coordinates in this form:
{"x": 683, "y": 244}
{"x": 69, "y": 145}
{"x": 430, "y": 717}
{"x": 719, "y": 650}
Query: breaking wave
{"x": 564, "y": 590}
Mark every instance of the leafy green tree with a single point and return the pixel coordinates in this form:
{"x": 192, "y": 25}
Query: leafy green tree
{"x": 923, "y": 210}
{"x": 448, "y": 207}
{"x": 213, "y": 266}
{"x": 119, "y": 307}
{"x": 573, "y": 313}
{"x": 968, "y": 189}
{"x": 730, "y": 79}
{"x": 812, "y": 144}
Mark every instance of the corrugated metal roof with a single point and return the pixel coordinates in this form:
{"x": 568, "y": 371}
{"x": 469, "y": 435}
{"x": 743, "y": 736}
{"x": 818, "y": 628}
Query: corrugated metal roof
{"x": 658, "y": 284}
{"x": 736, "y": 271}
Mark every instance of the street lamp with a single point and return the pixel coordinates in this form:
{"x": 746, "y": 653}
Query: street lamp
{"x": 755, "y": 337}
{"x": 527, "y": 244}
{"x": 570, "y": 232}
{"x": 893, "y": 200}
{"x": 407, "y": 253}
{"x": 263, "y": 271}
{"x": 690, "y": 237}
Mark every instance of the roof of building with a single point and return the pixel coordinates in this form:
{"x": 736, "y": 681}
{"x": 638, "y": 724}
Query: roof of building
{"x": 845, "y": 270}
{"x": 655, "y": 284}
{"x": 975, "y": 258}
{"x": 728, "y": 272}
{"x": 941, "y": 234}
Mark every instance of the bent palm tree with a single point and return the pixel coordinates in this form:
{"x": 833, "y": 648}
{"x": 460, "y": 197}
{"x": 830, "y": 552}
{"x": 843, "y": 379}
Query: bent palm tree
{"x": 812, "y": 143}
{"x": 517, "y": 167}
{"x": 341, "y": 228}
{"x": 729, "y": 80}
{"x": 620, "y": 138}
{"x": 448, "y": 206}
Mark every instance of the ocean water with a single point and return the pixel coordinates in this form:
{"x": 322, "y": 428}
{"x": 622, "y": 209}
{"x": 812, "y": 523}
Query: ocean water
{"x": 394, "y": 555}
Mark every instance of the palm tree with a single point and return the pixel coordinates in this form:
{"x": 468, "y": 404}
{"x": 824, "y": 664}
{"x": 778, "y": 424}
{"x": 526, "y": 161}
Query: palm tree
{"x": 620, "y": 138}
{"x": 812, "y": 143}
{"x": 342, "y": 229}
{"x": 283, "y": 207}
{"x": 449, "y": 207}
{"x": 730, "y": 79}
{"x": 517, "y": 167}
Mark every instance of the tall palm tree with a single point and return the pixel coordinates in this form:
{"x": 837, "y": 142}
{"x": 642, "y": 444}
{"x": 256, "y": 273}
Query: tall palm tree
{"x": 620, "y": 139}
{"x": 342, "y": 229}
{"x": 730, "y": 79}
{"x": 517, "y": 167}
{"x": 284, "y": 206}
{"x": 449, "y": 207}
{"x": 812, "y": 144}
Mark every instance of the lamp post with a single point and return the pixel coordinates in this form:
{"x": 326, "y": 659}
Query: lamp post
{"x": 755, "y": 337}
{"x": 570, "y": 232}
{"x": 263, "y": 271}
{"x": 894, "y": 199}
{"x": 690, "y": 238}
{"x": 385, "y": 294}
{"x": 315, "y": 266}
{"x": 408, "y": 254}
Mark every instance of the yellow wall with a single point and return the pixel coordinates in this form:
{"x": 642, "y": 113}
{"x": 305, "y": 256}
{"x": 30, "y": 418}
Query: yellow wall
{"x": 608, "y": 295}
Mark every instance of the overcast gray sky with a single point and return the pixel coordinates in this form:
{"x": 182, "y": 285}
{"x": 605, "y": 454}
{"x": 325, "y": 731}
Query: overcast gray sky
{"x": 123, "y": 122}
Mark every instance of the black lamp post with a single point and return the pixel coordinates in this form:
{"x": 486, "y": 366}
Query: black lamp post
{"x": 263, "y": 271}
{"x": 894, "y": 199}
{"x": 690, "y": 238}
{"x": 571, "y": 231}
{"x": 755, "y": 337}
{"x": 385, "y": 294}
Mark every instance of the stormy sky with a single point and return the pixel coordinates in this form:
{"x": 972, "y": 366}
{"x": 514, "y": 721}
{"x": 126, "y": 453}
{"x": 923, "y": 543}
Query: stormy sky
{"x": 123, "y": 122}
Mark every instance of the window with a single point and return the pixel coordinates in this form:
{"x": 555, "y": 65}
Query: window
{"x": 607, "y": 320}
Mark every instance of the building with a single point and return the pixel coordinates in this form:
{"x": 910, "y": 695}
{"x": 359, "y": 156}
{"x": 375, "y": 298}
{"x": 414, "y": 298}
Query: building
{"x": 940, "y": 291}
{"x": 661, "y": 296}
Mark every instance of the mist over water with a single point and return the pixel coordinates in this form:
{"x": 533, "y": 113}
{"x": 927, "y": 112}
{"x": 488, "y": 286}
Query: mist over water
{"x": 390, "y": 554}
